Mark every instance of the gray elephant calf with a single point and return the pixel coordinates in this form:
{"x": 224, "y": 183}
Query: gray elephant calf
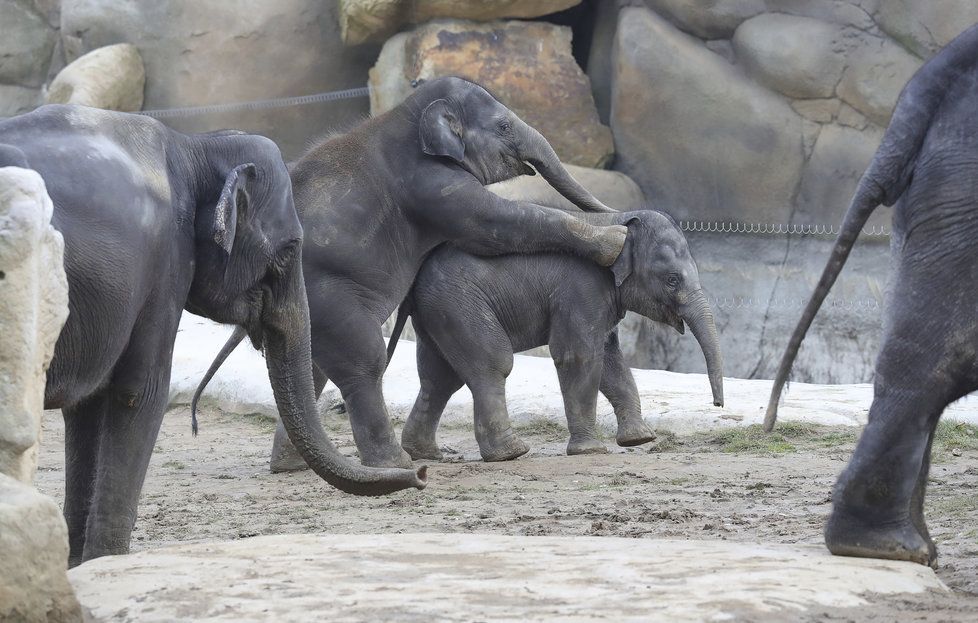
{"x": 472, "y": 313}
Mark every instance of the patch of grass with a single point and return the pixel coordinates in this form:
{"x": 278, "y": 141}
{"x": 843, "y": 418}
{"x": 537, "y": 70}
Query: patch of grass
{"x": 751, "y": 439}
{"x": 175, "y": 465}
{"x": 543, "y": 427}
{"x": 955, "y": 436}
{"x": 665, "y": 441}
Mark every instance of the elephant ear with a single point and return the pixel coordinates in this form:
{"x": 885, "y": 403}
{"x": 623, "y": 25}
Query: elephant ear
{"x": 441, "y": 131}
{"x": 233, "y": 204}
{"x": 625, "y": 262}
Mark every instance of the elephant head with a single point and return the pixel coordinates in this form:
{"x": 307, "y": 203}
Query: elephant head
{"x": 460, "y": 120}
{"x": 657, "y": 277}
{"x": 248, "y": 272}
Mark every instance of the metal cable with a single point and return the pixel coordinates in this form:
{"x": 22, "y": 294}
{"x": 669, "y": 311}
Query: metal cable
{"x": 280, "y": 102}
{"x": 720, "y": 227}
{"x": 739, "y": 302}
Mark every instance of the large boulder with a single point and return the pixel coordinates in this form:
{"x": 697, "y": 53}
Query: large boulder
{"x": 15, "y": 100}
{"x": 707, "y": 19}
{"x": 926, "y": 27}
{"x": 701, "y": 139}
{"x": 33, "y": 308}
{"x": 876, "y": 73}
{"x": 527, "y": 65}
{"x": 34, "y": 587}
{"x": 111, "y": 78}
{"x": 376, "y": 20}
{"x": 798, "y": 56}
{"x": 201, "y": 53}
{"x": 26, "y": 46}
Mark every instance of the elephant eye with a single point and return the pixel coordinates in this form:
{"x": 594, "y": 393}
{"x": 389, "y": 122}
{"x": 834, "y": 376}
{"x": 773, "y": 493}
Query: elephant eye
{"x": 504, "y": 126}
{"x": 672, "y": 280}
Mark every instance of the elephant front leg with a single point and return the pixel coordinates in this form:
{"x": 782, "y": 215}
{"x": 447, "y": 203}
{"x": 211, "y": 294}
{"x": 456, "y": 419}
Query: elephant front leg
{"x": 618, "y": 386}
{"x": 580, "y": 377}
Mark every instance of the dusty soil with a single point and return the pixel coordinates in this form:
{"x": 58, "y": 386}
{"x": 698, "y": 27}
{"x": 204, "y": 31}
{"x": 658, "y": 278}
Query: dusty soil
{"x": 734, "y": 486}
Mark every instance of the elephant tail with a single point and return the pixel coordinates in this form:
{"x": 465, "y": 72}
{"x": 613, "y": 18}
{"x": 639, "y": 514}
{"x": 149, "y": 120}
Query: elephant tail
{"x": 402, "y": 315}
{"x": 229, "y": 346}
{"x": 887, "y": 177}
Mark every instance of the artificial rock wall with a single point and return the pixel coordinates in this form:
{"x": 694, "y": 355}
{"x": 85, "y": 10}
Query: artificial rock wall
{"x": 745, "y": 111}
{"x": 33, "y": 308}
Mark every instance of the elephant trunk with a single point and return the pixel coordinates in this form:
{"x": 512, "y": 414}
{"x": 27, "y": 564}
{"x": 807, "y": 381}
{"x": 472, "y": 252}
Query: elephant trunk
{"x": 537, "y": 151}
{"x": 698, "y": 315}
{"x": 288, "y": 356}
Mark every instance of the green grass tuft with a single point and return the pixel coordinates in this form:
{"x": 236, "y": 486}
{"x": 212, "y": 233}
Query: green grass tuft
{"x": 543, "y": 427}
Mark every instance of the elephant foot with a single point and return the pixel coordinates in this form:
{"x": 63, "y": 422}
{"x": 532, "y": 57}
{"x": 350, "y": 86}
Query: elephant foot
{"x": 634, "y": 433}
{"x": 386, "y": 457}
{"x": 848, "y": 536}
{"x": 422, "y": 450}
{"x": 507, "y": 448}
{"x": 586, "y": 445}
{"x": 285, "y": 457}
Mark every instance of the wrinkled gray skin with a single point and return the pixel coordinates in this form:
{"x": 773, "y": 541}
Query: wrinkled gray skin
{"x": 927, "y": 164}
{"x": 374, "y": 202}
{"x": 472, "y": 313}
{"x": 155, "y": 222}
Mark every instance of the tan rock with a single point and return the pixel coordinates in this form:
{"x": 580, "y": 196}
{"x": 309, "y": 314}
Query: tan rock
{"x": 33, "y": 558}
{"x": 33, "y": 308}
{"x": 376, "y": 20}
{"x": 111, "y": 78}
{"x": 926, "y": 27}
{"x": 707, "y": 19}
{"x": 612, "y": 188}
{"x": 527, "y": 65}
{"x": 817, "y": 110}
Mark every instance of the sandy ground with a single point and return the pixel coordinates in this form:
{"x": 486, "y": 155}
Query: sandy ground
{"x": 704, "y": 486}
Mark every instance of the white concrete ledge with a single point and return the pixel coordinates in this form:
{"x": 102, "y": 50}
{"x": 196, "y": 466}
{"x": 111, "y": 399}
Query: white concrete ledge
{"x": 670, "y": 401}
{"x": 476, "y": 577}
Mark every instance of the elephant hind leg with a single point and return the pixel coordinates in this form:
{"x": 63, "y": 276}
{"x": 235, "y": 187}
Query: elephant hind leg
{"x": 82, "y": 428}
{"x": 438, "y": 382}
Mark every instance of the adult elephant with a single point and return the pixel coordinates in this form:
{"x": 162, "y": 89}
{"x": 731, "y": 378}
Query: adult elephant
{"x": 374, "y": 202}
{"x": 927, "y": 165}
{"x": 155, "y": 222}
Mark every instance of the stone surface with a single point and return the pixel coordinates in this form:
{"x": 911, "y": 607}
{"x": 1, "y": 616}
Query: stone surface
{"x": 707, "y": 19}
{"x": 33, "y": 308}
{"x": 875, "y": 75}
{"x": 201, "y": 53}
{"x": 925, "y": 27}
{"x": 800, "y": 57}
{"x": 444, "y": 577}
{"x": 15, "y": 100}
{"x": 549, "y": 91}
{"x": 717, "y": 144}
{"x": 376, "y": 20}
{"x": 26, "y": 45}
{"x": 33, "y": 558}
{"x": 818, "y": 110}
{"x": 111, "y": 78}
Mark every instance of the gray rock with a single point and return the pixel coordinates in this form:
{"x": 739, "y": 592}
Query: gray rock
{"x": 817, "y": 110}
{"x": 707, "y": 19}
{"x": 841, "y": 12}
{"x": 199, "y": 53}
{"x": 15, "y": 100}
{"x": 876, "y": 73}
{"x": 550, "y": 92}
{"x": 801, "y": 57}
{"x": 718, "y": 147}
{"x": 926, "y": 27}
{"x": 111, "y": 78}
{"x": 376, "y": 20}
{"x": 26, "y": 45}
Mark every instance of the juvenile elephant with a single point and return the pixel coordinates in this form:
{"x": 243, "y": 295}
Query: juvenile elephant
{"x": 155, "y": 222}
{"x": 472, "y": 313}
{"x": 374, "y": 202}
{"x": 927, "y": 164}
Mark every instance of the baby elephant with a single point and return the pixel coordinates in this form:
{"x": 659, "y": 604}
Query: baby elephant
{"x": 472, "y": 313}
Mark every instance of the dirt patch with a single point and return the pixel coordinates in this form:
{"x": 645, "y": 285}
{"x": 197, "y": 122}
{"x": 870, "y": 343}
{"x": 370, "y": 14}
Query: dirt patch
{"x": 707, "y": 486}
